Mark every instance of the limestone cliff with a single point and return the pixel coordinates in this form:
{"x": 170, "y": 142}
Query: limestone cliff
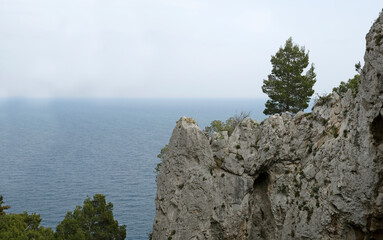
{"x": 308, "y": 176}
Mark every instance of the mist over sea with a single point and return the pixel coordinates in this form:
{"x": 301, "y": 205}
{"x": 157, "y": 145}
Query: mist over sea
{"x": 56, "y": 152}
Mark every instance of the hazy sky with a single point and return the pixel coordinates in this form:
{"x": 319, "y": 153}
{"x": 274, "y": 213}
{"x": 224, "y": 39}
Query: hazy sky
{"x": 172, "y": 48}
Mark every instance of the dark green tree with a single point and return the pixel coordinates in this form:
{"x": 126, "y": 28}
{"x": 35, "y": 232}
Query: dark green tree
{"x": 287, "y": 87}
{"x": 2, "y": 208}
{"x": 23, "y": 227}
{"x": 93, "y": 221}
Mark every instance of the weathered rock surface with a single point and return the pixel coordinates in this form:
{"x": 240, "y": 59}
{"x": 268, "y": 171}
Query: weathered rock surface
{"x": 308, "y": 176}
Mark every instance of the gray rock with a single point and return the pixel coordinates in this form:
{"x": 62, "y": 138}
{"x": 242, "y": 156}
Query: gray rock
{"x": 308, "y": 176}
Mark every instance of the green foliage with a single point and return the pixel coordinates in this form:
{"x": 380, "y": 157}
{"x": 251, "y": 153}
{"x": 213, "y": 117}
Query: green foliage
{"x": 229, "y": 125}
{"x": 163, "y": 152}
{"x": 352, "y": 83}
{"x": 23, "y": 227}
{"x": 239, "y": 157}
{"x": 93, "y": 221}
{"x": 161, "y": 156}
{"x": 215, "y": 126}
{"x": 358, "y": 67}
{"x": 286, "y": 87}
{"x": 2, "y": 208}
{"x": 322, "y": 99}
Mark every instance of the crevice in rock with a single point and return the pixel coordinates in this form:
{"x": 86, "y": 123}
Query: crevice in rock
{"x": 217, "y": 231}
{"x": 356, "y": 233}
{"x": 262, "y": 219}
{"x": 377, "y": 130}
{"x": 377, "y": 235}
{"x": 375, "y": 221}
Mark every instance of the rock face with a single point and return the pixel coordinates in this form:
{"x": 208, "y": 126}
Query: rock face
{"x": 308, "y": 176}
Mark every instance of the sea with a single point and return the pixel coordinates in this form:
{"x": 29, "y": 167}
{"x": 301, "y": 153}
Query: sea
{"x": 54, "y": 153}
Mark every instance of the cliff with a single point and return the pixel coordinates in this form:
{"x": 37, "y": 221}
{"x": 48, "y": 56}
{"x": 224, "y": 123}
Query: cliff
{"x": 307, "y": 176}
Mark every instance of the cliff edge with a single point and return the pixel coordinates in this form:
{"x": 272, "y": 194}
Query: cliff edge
{"x": 308, "y": 176}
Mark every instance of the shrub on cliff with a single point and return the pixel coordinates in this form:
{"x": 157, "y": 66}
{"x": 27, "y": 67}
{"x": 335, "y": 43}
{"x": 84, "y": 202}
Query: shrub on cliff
{"x": 352, "y": 83}
{"x": 288, "y": 89}
{"x": 161, "y": 156}
{"x": 229, "y": 125}
{"x": 323, "y": 99}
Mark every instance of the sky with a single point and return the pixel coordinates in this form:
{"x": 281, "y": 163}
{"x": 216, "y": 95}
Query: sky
{"x": 172, "y": 48}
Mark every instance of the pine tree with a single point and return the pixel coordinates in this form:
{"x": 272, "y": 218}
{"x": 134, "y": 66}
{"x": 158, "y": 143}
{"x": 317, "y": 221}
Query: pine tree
{"x": 93, "y": 221}
{"x": 286, "y": 87}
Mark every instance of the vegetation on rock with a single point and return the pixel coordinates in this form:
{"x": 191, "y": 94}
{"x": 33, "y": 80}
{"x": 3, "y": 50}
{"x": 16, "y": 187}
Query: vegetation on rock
{"x": 161, "y": 156}
{"x": 352, "y": 83}
{"x": 229, "y": 125}
{"x": 321, "y": 100}
{"x": 288, "y": 89}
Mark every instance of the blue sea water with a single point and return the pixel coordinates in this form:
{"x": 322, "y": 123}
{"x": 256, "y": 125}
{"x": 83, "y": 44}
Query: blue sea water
{"x": 56, "y": 152}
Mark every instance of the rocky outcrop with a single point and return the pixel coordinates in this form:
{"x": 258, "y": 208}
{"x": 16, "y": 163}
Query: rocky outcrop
{"x": 307, "y": 176}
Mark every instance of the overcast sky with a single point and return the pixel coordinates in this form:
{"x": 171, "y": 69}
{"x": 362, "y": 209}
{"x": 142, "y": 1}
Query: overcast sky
{"x": 172, "y": 48}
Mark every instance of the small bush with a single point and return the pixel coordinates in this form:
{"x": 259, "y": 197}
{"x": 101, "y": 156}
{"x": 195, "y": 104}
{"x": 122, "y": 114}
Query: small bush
{"x": 322, "y": 99}
{"x": 229, "y": 125}
{"x": 161, "y": 156}
{"x": 239, "y": 157}
{"x": 334, "y": 132}
{"x": 352, "y": 83}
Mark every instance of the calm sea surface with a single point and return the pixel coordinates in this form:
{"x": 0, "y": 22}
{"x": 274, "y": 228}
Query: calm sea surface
{"x": 55, "y": 153}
